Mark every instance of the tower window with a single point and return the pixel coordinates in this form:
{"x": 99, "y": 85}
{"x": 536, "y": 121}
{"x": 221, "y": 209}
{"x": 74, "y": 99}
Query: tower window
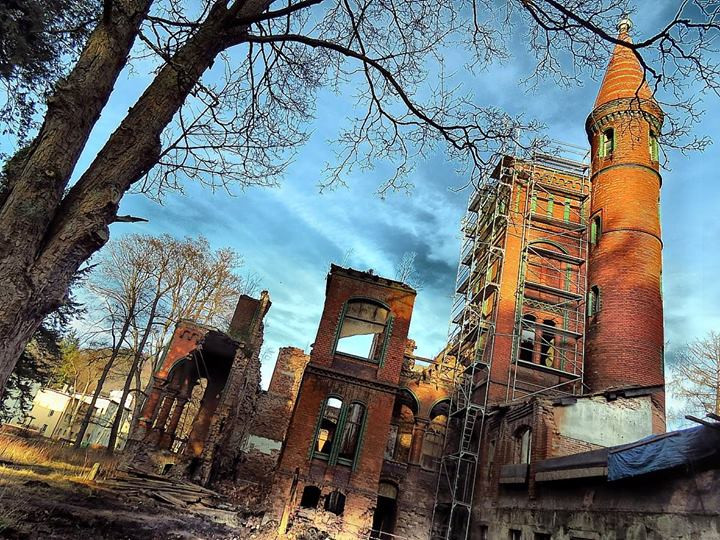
{"x": 363, "y": 330}
{"x": 595, "y": 230}
{"x": 654, "y": 147}
{"x": 593, "y": 303}
{"x": 607, "y": 143}
{"x": 550, "y": 205}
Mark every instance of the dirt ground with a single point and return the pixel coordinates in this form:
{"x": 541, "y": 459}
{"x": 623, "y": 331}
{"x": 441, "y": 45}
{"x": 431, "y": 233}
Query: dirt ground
{"x": 34, "y": 505}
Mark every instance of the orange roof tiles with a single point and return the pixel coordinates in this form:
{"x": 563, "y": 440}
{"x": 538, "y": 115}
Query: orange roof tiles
{"x": 624, "y": 77}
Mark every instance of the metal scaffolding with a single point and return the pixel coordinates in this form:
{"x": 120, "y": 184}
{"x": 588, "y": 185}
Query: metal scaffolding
{"x": 543, "y": 198}
{"x": 552, "y": 277}
{"x": 470, "y": 352}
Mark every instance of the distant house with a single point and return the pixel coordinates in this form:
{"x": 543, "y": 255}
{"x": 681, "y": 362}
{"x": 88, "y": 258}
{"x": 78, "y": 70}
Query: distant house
{"x": 58, "y": 414}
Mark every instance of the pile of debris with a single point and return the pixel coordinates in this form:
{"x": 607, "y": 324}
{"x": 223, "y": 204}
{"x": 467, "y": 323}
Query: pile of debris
{"x": 130, "y": 481}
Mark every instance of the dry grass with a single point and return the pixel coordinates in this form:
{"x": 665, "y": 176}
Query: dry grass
{"x": 52, "y": 458}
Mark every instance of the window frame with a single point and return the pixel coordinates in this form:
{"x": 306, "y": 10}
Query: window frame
{"x": 596, "y": 229}
{"x": 593, "y": 302}
{"x": 387, "y": 332}
{"x": 654, "y": 145}
{"x": 333, "y": 458}
{"x": 607, "y": 139}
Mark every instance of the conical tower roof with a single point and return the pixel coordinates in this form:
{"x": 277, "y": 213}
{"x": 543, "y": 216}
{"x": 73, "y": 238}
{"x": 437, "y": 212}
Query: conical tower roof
{"x": 624, "y": 77}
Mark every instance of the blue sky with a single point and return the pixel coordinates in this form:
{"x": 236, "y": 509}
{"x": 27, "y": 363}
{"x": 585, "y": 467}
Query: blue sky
{"x": 290, "y": 235}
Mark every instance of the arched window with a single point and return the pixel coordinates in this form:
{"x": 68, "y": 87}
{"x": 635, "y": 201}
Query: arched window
{"x": 328, "y": 428}
{"x": 433, "y": 441}
{"x": 352, "y": 429}
{"x": 593, "y": 301}
{"x": 523, "y": 445}
{"x": 607, "y": 143}
{"x": 595, "y": 230}
{"x": 654, "y": 146}
{"x": 363, "y": 330}
{"x": 527, "y": 338}
{"x": 547, "y": 345}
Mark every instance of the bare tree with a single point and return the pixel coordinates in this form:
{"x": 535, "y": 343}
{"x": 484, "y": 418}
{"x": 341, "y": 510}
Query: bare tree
{"x": 154, "y": 282}
{"x": 695, "y": 375}
{"x": 234, "y": 92}
{"x": 406, "y": 271}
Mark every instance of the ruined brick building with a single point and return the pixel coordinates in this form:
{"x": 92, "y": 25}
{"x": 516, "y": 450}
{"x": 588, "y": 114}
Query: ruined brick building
{"x": 544, "y": 415}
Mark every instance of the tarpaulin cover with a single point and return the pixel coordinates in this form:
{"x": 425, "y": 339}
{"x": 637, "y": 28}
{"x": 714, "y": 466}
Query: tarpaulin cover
{"x": 661, "y": 452}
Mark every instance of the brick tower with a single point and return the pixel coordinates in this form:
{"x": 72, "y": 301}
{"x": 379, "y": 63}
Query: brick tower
{"x": 624, "y": 344}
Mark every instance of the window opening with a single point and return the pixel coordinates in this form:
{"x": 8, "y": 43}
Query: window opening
{"x": 363, "y": 330}
{"x": 328, "y": 426}
{"x": 593, "y": 304}
{"x": 550, "y": 205}
{"x": 524, "y": 445}
{"x": 385, "y": 514}
{"x": 566, "y": 210}
{"x": 351, "y": 431}
{"x": 335, "y": 503}
{"x": 607, "y": 143}
{"x": 654, "y": 147}
{"x": 310, "y": 497}
{"x": 433, "y": 443}
{"x": 527, "y": 339}
{"x": 547, "y": 346}
{"x": 514, "y": 534}
{"x": 595, "y": 230}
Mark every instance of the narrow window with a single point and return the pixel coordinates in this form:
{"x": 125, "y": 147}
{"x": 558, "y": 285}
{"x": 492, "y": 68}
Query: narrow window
{"x": 335, "y": 503}
{"x": 550, "y": 205}
{"x": 533, "y": 203}
{"x": 483, "y": 532}
{"x": 654, "y": 147}
{"x": 363, "y": 330}
{"x": 328, "y": 427}
{"x": 547, "y": 346}
{"x": 607, "y": 143}
{"x": 595, "y": 230}
{"x": 593, "y": 304}
{"x": 527, "y": 338}
{"x": 310, "y": 497}
{"x": 51, "y": 412}
{"x": 566, "y": 210}
{"x": 351, "y": 431}
{"x": 491, "y": 458}
{"x": 514, "y": 534}
{"x": 524, "y": 445}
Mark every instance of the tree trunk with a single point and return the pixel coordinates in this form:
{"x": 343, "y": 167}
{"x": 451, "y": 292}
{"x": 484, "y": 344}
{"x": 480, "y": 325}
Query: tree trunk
{"x": 59, "y": 234}
{"x": 117, "y": 421}
{"x": 103, "y": 376}
{"x": 37, "y": 181}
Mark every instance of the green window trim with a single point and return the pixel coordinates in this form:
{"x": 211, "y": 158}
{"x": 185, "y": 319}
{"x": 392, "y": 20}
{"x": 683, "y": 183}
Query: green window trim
{"x": 654, "y": 146}
{"x": 593, "y": 301}
{"x": 338, "y": 327}
{"x": 386, "y": 340}
{"x": 595, "y": 229}
{"x": 550, "y": 205}
{"x": 518, "y": 196}
{"x": 333, "y": 458}
{"x": 606, "y": 144}
{"x": 533, "y": 203}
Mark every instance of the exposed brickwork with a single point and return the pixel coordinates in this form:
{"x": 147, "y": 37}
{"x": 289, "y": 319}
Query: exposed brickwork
{"x": 231, "y": 366}
{"x": 375, "y": 385}
{"x": 624, "y": 344}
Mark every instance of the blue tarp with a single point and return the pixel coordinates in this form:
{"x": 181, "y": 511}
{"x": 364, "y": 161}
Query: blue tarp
{"x": 661, "y": 452}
